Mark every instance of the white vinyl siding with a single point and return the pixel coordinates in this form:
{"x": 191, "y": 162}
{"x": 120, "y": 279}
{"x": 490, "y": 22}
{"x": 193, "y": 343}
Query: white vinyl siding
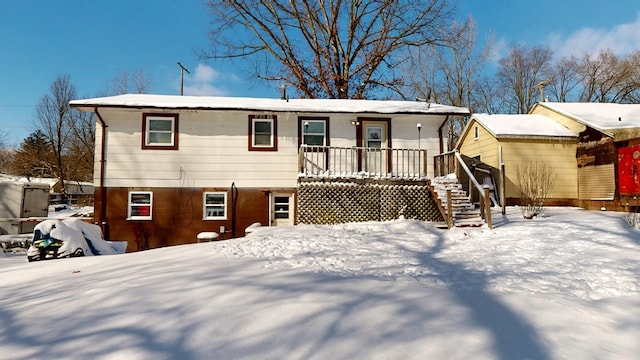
{"x": 213, "y": 149}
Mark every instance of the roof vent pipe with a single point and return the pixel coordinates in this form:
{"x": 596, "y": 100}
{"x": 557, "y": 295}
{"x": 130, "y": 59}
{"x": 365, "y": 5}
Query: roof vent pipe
{"x": 283, "y": 92}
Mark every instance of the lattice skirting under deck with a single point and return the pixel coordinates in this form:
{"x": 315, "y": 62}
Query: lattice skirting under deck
{"x": 340, "y": 202}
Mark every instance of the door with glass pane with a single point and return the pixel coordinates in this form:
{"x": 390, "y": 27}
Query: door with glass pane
{"x": 281, "y": 209}
{"x": 375, "y": 142}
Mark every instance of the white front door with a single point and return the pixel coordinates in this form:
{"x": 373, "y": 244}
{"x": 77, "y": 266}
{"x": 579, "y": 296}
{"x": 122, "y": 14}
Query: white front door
{"x": 281, "y": 209}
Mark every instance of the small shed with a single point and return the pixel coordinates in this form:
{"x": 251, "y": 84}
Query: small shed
{"x": 21, "y": 200}
{"x": 78, "y": 192}
{"x": 495, "y": 145}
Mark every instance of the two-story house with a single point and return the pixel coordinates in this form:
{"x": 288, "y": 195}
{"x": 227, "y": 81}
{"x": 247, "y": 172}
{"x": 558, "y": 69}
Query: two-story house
{"x": 170, "y": 167}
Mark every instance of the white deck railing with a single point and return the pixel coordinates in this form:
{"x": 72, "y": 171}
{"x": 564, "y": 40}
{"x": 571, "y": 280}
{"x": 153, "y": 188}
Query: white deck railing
{"x": 383, "y": 163}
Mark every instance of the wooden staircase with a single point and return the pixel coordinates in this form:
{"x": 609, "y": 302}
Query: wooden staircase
{"x": 464, "y": 212}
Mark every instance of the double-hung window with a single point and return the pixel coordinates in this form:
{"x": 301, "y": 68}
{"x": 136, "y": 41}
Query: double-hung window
{"x": 313, "y": 131}
{"x": 160, "y": 131}
{"x": 214, "y": 205}
{"x": 263, "y": 133}
{"x": 140, "y": 205}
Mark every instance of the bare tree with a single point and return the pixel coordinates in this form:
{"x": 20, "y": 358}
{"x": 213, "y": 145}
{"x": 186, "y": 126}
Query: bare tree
{"x": 80, "y": 155}
{"x": 126, "y": 82}
{"x": 518, "y": 74}
{"x": 451, "y": 74}
{"x": 58, "y": 122}
{"x": 609, "y": 78}
{"x": 633, "y": 92}
{"x": 333, "y": 49}
{"x": 564, "y": 78}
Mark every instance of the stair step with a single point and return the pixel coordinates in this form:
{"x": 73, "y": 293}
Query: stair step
{"x": 468, "y": 222}
{"x": 464, "y": 212}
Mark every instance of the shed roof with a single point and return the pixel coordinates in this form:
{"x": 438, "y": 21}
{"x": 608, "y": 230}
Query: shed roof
{"x": 600, "y": 116}
{"x": 522, "y": 126}
{"x": 266, "y": 104}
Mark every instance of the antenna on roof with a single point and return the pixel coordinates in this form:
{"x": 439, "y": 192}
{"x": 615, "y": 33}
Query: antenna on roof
{"x": 541, "y": 86}
{"x": 182, "y": 70}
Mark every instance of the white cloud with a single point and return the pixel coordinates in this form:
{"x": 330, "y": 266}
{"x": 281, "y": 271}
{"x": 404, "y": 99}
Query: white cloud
{"x": 207, "y": 81}
{"x": 621, "y": 39}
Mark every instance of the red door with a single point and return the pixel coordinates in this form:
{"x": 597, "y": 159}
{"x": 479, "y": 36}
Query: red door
{"x": 629, "y": 170}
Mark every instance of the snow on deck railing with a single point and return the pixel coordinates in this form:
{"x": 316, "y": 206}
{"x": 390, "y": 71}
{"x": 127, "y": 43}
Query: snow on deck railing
{"x": 362, "y": 162}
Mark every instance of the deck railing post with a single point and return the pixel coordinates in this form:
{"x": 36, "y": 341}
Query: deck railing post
{"x": 449, "y": 210}
{"x": 301, "y": 159}
{"x": 425, "y": 160}
{"x": 487, "y": 205}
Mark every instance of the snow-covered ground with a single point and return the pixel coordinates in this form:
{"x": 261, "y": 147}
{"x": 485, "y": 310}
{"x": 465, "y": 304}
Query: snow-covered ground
{"x": 565, "y": 286}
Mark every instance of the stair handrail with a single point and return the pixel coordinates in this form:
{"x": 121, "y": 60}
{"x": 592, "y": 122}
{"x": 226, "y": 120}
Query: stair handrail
{"x": 485, "y": 203}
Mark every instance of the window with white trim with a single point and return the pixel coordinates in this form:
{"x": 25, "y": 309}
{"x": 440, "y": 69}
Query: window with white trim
{"x": 140, "y": 205}
{"x": 160, "y": 131}
{"x": 314, "y": 132}
{"x": 214, "y": 205}
{"x": 281, "y": 207}
{"x": 263, "y": 133}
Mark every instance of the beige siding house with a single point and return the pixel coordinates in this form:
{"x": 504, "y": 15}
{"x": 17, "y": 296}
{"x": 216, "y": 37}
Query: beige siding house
{"x": 497, "y": 144}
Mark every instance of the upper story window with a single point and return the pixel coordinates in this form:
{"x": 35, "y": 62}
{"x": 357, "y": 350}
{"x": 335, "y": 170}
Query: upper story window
{"x": 214, "y": 205}
{"x": 140, "y": 205}
{"x": 313, "y": 131}
{"x": 263, "y": 135}
{"x": 160, "y": 131}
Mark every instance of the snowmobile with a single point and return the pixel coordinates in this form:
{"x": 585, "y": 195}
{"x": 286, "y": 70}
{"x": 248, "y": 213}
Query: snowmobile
{"x": 54, "y": 239}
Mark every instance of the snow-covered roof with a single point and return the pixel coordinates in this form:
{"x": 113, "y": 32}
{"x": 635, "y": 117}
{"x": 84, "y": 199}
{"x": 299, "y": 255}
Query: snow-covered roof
{"x": 6, "y": 178}
{"x": 521, "y": 126}
{"x": 266, "y": 104}
{"x": 600, "y": 116}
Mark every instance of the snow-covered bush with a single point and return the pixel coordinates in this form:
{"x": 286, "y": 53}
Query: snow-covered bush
{"x": 536, "y": 181}
{"x": 633, "y": 219}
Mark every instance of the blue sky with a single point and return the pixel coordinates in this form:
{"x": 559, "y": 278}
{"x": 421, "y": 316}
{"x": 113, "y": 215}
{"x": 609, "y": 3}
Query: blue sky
{"x": 94, "y": 41}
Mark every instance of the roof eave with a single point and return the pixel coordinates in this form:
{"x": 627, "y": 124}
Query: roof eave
{"x": 91, "y": 107}
{"x": 576, "y": 118}
{"x": 535, "y": 137}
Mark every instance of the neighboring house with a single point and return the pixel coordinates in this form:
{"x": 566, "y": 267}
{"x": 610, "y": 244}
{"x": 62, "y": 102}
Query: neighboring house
{"x": 608, "y": 153}
{"x": 600, "y": 140}
{"x": 513, "y": 140}
{"x": 170, "y": 167}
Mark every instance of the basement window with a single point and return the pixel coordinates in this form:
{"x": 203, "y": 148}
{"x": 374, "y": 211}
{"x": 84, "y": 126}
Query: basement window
{"x": 214, "y": 206}
{"x": 160, "y": 131}
{"x": 140, "y": 205}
